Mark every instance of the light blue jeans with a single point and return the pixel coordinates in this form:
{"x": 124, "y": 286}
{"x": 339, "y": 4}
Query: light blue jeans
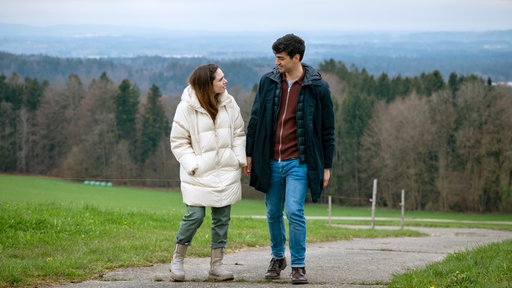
{"x": 288, "y": 188}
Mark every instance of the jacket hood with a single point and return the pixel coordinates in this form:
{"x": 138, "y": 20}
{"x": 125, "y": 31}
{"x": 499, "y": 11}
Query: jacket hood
{"x": 310, "y": 75}
{"x": 189, "y": 96}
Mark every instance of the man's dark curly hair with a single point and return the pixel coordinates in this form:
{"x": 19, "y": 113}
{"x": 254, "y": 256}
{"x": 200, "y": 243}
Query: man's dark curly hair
{"x": 290, "y": 44}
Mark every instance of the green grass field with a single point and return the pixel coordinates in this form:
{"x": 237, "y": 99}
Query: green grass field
{"x": 488, "y": 266}
{"x": 54, "y": 230}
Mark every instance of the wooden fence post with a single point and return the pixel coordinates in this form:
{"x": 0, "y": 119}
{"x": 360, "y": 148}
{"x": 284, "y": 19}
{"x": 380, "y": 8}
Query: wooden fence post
{"x": 374, "y": 200}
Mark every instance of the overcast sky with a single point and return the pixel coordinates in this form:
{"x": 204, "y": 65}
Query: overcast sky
{"x": 266, "y": 15}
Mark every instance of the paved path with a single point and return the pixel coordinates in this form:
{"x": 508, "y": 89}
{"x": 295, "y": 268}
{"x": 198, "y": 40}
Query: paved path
{"x": 358, "y": 263}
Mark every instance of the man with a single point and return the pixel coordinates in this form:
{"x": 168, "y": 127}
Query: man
{"x": 290, "y": 147}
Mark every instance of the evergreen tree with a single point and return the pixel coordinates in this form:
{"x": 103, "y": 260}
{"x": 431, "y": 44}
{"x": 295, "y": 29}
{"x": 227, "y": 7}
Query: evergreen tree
{"x": 384, "y": 88}
{"x": 433, "y": 82}
{"x": 126, "y": 103}
{"x": 14, "y": 94}
{"x": 453, "y": 82}
{"x": 155, "y": 125}
{"x": 3, "y": 87}
{"x": 32, "y": 94}
{"x": 19, "y": 100}
{"x": 400, "y": 86}
{"x": 7, "y": 128}
{"x": 33, "y": 91}
{"x": 356, "y": 112}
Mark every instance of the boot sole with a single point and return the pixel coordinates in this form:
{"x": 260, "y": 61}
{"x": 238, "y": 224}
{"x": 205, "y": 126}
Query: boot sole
{"x": 177, "y": 279}
{"x": 272, "y": 277}
{"x": 214, "y": 278}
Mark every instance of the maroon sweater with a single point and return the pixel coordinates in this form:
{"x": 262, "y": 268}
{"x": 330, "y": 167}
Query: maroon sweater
{"x": 286, "y": 133}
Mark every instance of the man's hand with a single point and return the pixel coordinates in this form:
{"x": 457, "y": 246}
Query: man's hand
{"x": 327, "y": 176}
{"x": 247, "y": 169}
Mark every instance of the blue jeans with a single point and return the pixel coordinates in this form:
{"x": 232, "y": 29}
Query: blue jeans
{"x": 288, "y": 188}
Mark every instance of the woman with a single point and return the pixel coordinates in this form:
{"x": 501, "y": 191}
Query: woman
{"x": 208, "y": 140}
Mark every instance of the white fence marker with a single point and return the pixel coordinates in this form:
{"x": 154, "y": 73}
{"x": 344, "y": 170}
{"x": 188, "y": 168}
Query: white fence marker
{"x": 374, "y": 200}
{"x": 403, "y": 208}
{"x": 330, "y": 209}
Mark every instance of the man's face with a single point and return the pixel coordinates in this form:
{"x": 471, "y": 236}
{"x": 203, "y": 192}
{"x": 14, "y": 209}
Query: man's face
{"x": 284, "y": 62}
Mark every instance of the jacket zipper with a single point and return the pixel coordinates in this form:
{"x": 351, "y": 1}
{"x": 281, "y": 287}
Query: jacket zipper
{"x": 282, "y": 119}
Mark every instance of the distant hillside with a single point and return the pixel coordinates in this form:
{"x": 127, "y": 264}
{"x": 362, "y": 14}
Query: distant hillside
{"x": 166, "y": 57}
{"x": 169, "y": 74}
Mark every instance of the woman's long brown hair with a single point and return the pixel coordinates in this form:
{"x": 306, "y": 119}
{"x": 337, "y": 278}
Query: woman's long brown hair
{"x": 201, "y": 81}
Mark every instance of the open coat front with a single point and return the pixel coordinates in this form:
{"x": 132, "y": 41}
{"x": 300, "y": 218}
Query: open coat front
{"x": 211, "y": 154}
{"x": 315, "y": 129}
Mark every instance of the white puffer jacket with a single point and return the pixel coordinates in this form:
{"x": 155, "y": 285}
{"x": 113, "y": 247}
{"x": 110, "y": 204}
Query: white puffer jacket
{"x": 210, "y": 154}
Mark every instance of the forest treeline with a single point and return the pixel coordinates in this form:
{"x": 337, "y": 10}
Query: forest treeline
{"x": 447, "y": 144}
{"x": 168, "y": 73}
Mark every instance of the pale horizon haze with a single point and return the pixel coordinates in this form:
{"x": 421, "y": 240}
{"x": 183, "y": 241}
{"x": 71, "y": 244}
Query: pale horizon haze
{"x": 265, "y": 15}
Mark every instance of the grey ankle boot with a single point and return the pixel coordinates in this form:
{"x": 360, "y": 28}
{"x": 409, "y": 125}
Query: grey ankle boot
{"x": 177, "y": 270}
{"x": 217, "y": 270}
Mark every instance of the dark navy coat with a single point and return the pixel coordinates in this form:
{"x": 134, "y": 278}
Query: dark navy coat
{"x": 315, "y": 128}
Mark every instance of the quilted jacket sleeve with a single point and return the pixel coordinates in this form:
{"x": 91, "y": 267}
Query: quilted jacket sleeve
{"x": 181, "y": 144}
{"x": 239, "y": 139}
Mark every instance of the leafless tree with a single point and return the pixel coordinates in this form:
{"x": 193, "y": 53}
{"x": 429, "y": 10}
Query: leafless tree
{"x": 483, "y": 142}
{"x": 442, "y": 117}
{"x": 57, "y": 125}
{"x": 91, "y": 157}
{"x": 404, "y": 136}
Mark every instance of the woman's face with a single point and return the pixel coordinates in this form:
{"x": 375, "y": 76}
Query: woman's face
{"x": 219, "y": 83}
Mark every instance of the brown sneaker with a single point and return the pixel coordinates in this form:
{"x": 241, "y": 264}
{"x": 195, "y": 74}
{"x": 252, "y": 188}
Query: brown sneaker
{"x": 275, "y": 268}
{"x": 299, "y": 275}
